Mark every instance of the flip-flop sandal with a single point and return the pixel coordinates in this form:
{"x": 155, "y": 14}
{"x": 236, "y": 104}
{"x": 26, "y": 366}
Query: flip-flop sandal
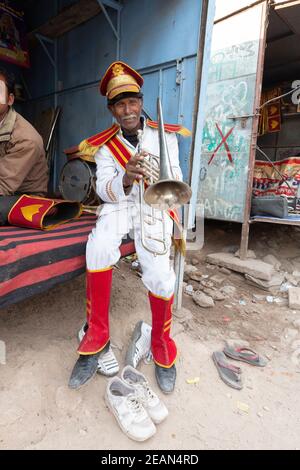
{"x": 229, "y": 373}
{"x": 245, "y": 355}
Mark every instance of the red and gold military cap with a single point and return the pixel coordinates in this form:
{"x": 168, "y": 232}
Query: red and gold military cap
{"x": 120, "y": 78}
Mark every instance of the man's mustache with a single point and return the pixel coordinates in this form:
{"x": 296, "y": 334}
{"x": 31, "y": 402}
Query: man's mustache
{"x": 131, "y": 116}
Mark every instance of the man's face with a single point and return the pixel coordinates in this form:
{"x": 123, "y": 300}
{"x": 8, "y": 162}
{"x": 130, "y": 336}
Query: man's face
{"x": 6, "y": 99}
{"x": 127, "y": 112}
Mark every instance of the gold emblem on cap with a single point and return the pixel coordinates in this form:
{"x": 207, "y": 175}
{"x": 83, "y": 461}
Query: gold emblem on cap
{"x": 117, "y": 70}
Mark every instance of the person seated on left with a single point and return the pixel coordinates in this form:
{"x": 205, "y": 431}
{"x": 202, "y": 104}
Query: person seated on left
{"x": 23, "y": 165}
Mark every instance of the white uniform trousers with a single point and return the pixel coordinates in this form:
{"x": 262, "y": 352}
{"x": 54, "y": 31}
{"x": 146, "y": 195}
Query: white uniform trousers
{"x": 103, "y": 248}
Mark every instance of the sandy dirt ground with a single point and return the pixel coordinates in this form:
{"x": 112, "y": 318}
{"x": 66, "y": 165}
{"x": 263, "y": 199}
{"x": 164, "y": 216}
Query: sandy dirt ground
{"x": 38, "y": 411}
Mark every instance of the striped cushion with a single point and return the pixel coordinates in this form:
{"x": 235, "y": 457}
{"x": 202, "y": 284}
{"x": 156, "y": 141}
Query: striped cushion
{"x": 32, "y": 261}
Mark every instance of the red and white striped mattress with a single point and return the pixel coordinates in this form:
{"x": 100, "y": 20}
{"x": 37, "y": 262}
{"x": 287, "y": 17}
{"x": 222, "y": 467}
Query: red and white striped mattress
{"x": 33, "y": 261}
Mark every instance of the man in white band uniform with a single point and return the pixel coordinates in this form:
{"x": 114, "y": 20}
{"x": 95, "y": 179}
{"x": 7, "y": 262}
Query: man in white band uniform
{"x": 118, "y": 172}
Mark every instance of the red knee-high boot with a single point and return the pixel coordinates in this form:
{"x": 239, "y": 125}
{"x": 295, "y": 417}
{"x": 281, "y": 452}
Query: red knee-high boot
{"x": 98, "y": 299}
{"x": 88, "y": 296}
{"x": 163, "y": 347}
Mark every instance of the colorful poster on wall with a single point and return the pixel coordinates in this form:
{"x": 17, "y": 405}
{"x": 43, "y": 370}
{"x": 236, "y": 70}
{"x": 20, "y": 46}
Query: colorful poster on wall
{"x": 13, "y": 42}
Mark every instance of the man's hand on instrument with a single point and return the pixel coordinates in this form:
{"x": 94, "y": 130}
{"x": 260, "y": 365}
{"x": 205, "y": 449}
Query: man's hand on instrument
{"x": 134, "y": 169}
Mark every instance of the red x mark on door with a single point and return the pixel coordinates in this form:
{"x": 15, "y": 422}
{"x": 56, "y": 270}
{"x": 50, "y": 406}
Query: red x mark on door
{"x": 223, "y": 141}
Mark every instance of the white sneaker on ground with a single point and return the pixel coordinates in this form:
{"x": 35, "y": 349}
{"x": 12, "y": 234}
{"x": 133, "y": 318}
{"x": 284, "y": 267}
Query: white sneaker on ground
{"x": 140, "y": 344}
{"x": 155, "y": 408}
{"x": 131, "y": 415}
{"x": 107, "y": 361}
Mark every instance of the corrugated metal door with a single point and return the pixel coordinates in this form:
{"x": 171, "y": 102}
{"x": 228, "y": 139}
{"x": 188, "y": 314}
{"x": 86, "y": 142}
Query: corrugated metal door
{"x": 173, "y": 83}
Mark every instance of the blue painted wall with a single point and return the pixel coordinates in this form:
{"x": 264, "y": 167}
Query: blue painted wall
{"x": 154, "y": 32}
{"x": 159, "y": 38}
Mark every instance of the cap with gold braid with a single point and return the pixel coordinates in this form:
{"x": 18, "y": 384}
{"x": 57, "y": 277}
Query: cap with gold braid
{"x": 119, "y": 78}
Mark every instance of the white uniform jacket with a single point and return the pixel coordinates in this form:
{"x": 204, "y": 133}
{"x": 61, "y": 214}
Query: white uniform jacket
{"x": 110, "y": 173}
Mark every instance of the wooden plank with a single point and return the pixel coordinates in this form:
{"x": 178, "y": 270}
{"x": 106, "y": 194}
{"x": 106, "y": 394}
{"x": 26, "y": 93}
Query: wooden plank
{"x": 67, "y": 19}
{"x": 273, "y": 220}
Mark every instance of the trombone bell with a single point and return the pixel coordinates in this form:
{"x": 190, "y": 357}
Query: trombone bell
{"x": 168, "y": 194}
{"x": 164, "y": 194}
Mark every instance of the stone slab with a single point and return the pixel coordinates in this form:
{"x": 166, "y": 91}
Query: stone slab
{"x": 253, "y": 267}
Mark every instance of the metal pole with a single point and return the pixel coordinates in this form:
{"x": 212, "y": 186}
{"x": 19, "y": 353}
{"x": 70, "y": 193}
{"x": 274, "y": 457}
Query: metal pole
{"x": 42, "y": 41}
{"x": 55, "y": 72}
{"x": 160, "y": 84}
{"x": 54, "y": 176}
{"x": 53, "y": 60}
{"x": 119, "y": 33}
{"x": 200, "y": 60}
{"x": 108, "y": 19}
{"x": 179, "y": 260}
{"x": 187, "y": 214}
{"x": 181, "y": 82}
{"x": 179, "y": 263}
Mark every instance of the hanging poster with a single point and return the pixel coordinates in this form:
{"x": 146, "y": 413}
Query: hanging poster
{"x": 13, "y": 42}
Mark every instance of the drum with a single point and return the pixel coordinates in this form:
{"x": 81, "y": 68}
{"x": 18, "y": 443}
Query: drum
{"x": 77, "y": 182}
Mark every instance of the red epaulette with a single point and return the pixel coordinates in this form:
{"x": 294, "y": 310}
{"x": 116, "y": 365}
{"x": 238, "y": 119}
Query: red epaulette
{"x": 90, "y": 145}
{"x": 177, "y": 128}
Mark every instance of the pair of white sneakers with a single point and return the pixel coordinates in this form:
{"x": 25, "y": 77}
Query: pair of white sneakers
{"x": 138, "y": 349}
{"x": 134, "y": 404}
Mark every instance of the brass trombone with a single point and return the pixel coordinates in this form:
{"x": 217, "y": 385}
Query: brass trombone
{"x": 163, "y": 193}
